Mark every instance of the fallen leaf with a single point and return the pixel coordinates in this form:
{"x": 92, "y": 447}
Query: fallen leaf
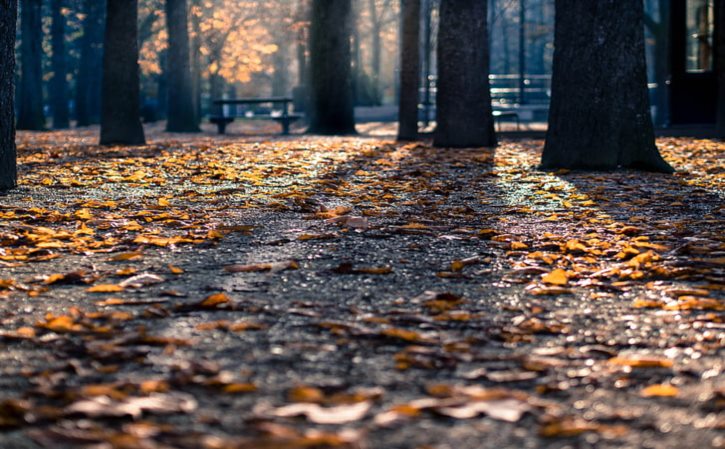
{"x": 556, "y": 277}
{"x": 317, "y": 414}
{"x": 105, "y": 288}
{"x": 660, "y": 390}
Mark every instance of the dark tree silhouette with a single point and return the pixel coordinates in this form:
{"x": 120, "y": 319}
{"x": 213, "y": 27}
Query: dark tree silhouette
{"x": 120, "y": 117}
{"x": 59, "y": 83}
{"x": 331, "y": 109}
{"x": 196, "y": 70}
{"x": 181, "y": 113}
{"x": 409, "y": 70}
{"x": 30, "y": 109}
{"x": 90, "y": 65}
{"x": 599, "y": 116}
{"x": 463, "y": 102}
{"x": 8, "y": 18}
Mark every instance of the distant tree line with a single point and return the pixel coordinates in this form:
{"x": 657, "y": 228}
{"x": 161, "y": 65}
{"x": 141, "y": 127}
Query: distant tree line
{"x": 599, "y": 116}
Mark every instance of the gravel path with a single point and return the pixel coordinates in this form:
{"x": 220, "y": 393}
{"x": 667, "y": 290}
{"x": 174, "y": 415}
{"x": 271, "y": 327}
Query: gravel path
{"x": 353, "y": 293}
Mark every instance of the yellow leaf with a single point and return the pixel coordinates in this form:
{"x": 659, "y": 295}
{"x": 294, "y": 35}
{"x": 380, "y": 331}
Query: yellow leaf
{"x": 175, "y": 269}
{"x": 304, "y": 393}
{"x": 518, "y": 245}
{"x": 105, "y": 288}
{"x": 660, "y": 390}
{"x": 126, "y": 256}
{"x": 236, "y": 388}
{"x": 642, "y": 362}
{"x": 556, "y": 277}
{"x": 214, "y": 300}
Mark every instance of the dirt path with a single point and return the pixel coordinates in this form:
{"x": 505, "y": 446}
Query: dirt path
{"x": 354, "y": 293}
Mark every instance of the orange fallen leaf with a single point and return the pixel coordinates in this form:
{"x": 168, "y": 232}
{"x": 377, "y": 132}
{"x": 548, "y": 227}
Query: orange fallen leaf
{"x": 641, "y": 362}
{"x": 660, "y": 390}
{"x": 105, "y": 288}
{"x": 556, "y": 277}
{"x": 213, "y": 301}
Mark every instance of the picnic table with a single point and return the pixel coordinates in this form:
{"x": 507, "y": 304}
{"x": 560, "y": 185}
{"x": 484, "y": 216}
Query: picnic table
{"x": 230, "y": 110}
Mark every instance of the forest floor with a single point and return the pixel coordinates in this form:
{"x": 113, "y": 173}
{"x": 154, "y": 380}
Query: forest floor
{"x": 352, "y": 292}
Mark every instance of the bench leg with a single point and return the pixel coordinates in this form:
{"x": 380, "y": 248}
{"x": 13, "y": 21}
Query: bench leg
{"x": 285, "y": 127}
{"x": 222, "y": 127}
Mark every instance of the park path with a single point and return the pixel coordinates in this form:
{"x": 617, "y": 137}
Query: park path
{"x": 356, "y": 293}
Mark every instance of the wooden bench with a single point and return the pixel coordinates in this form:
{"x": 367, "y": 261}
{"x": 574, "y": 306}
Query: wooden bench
{"x": 229, "y": 110}
{"x": 499, "y": 116}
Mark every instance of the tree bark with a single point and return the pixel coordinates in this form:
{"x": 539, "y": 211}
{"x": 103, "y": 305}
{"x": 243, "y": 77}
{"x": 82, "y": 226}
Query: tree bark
{"x": 463, "y": 101}
{"x": 409, "y": 71}
{"x": 59, "y": 83}
{"x": 181, "y": 114}
{"x": 30, "y": 111}
{"x": 196, "y": 18}
{"x": 120, "y": 118}
{"x": 599, "y": 117}
{"x": 8, "y": 19}
{"x": 90, "y": 69}
{"x": 330, "y": 72}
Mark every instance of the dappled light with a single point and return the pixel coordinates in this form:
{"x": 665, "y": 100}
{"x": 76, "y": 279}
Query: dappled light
{"x": 536, "y": 293}
{"x": 361, "y": 224}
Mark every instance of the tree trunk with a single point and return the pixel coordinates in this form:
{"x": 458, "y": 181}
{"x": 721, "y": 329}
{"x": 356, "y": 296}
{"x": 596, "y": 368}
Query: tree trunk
{"x": 8, "y": 19}
{"x": 216, "y": 92}
{"x": 59, "y": 83}
{"x": 660, "y": 31}
{"x": 463, "y": 101}
{"x": 120, "y": 118}
{"x": 409, "y": 70}
{"x": 196, "y": 17}
{"x": 90, "y": 65}
{"x": 280, "y": 78}
{"x": 182, "y": 117}
{"x": 300, "y": 92}
{"x": 30, "y": 112}
{"x": 505, "y": 43}
{"x": 375, "y": 63}
{"x": 720, "y": 67}
{"x": 599, "y": 117}
{"x": 331, "y": 81}
{"x": 162, "y": 87}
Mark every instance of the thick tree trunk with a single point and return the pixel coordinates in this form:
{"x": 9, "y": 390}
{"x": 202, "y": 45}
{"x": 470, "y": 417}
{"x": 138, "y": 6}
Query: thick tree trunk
{"x": 463, "y": 101}
{"x": 599, "y": 117}
{"x": 181, "y": 114}
{"x": 720, "y": 67}
{"x": 120, "y": 118}
{"x": 409, "y": 70}
{"x": 8, "y": 19}
{"x": 30, "y": 111}
{"x": 331, "y": 80}
{"x": 90, "y": 69}
{"x": 59, "y": 83}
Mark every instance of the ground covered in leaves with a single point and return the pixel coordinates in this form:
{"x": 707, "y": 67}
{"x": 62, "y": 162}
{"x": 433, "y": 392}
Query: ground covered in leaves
{"x": 310, "y": 292}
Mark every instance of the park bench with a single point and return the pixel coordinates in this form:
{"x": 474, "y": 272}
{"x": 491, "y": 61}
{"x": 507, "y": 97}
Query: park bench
{"x": 230, "y": 110}
{"x": 499, "y": 116}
